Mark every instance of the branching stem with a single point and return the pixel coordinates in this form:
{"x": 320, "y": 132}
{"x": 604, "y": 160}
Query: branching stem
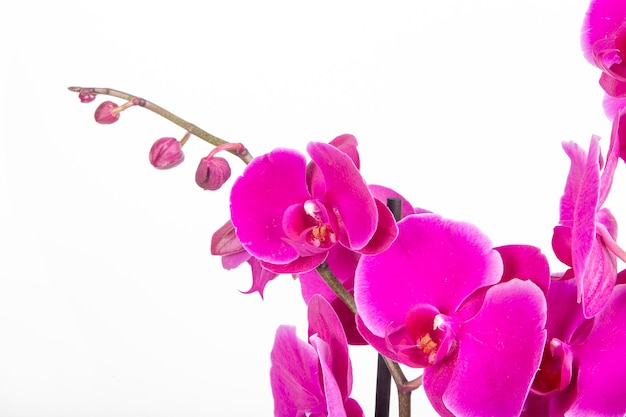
{"x": 244, "y": 155}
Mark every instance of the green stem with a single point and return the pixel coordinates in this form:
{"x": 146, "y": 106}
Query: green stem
{"x": 244, "y": 155}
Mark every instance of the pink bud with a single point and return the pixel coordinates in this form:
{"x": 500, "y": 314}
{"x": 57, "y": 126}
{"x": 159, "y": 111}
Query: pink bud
{"x": 86, "y": 95}
{"x": 106, "y": 114}
{"x": 166, "y": 153}
{"x": 212, "y": 172}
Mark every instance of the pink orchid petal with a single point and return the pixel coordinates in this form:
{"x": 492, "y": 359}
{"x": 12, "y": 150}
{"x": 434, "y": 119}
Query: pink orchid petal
{"x": 314, "y": 177}
{"x": 525, "y": 262}
{"x": 324, "y": 324}
{"x": 601, "y": 388}
{"x": 386, "y": 231}
{"x": 260, "y": 277}
{"x": 259, "y": 198}
{"x": 562, "y": 244}
{"x": 602, "y": 19}
{"x": 499, "y": 351}
{"x": 598, "y": 279}
{"x": 332, "y": 392}
{"x": 432, "y": 261}
{"x": 294, "y": 374}
{"x": 347, "y": 193}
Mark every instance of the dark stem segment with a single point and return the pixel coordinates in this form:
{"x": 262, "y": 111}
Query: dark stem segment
{"x": 383, "y": 376}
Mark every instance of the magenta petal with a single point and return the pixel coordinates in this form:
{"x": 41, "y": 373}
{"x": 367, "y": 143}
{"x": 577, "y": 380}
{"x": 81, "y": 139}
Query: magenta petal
{"x": 602, "y": 19}
{"x": 332, "y": 392}
{"x": 259, "y": 198}
{"x": 601, "y": 388}
{"x": 260, "y": 277}
{"x": 562, "y": 244}
{"x": 525, "y": 262}
{"x": 386, "y": 231}
{"x": 347, "y": 192}
{"x": 294, "y": 374}
{"x": 499, "y": 351}
{"x": 432, "y": 261}
{"x": 598, "y": 279}
{"x": 324, "y": 323}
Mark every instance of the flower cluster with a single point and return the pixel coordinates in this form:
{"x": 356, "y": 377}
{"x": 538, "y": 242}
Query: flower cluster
{"x": 494, "y": 329}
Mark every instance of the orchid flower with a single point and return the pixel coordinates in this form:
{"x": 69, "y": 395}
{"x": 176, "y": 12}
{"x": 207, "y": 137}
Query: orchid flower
{"x": 434, "y": 299}
{"x": 585, "y": 236}
{"x": 582, "y": 370}
{"x": 314, "y": 378}
{"x": 603, "y": 42}
{"x": 289, "y": 216}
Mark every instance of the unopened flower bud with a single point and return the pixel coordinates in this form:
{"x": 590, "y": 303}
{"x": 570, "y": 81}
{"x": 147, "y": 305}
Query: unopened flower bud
{"x": 86, "y": 95}
{"x": 166, "y": 153}
{"x": 212, "y": 172}
{"x": 106, "y": 113}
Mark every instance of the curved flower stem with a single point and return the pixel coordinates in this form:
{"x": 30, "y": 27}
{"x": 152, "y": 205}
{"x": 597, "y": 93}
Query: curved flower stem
{"x": 404, "y": 396}
{"x": 244, "y": 155}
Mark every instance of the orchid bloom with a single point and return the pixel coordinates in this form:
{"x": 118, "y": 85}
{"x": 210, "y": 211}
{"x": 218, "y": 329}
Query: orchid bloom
{"x": 314, "y": 378}
{"x": 435, "y": 300}
{"x": 583, "y": 369}
{"x": 225, "y": 243}
{"x": 603, "y": 42}
{"x": 585, "y": 236}
{"x": 289, "y": 216}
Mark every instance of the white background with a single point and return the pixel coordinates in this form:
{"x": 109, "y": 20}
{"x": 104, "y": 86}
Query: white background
{"x": 110, "y": 302}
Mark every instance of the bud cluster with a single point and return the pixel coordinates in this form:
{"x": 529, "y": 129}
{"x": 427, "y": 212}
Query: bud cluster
{"x": 166, "y": 152}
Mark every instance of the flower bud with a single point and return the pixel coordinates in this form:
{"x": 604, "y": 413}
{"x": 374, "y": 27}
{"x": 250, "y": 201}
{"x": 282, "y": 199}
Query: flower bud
{"x": 166, "y": 153}
{"x": 86, "y": 95}
{"x": 106, "y": 113}
{"x": 212, "y": 172}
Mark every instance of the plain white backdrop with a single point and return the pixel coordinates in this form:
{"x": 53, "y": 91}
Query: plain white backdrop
{"x": 110, "y": 302}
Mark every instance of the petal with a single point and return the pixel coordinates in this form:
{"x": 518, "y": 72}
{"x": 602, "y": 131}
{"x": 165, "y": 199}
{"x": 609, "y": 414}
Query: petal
{"x": 564, "y": 313}
{"x": 562, "y": 244}
{"x": 260, "y": 277}
{"x": 224, "y": 241}
{"x": 294, "y": 374}
{"x": 333, "y": 395}
{"x": 525, "y": 262}
{"x": 499, "y": 351}
{"x": 601, "y": 388}
{"x": 386, "y": 231}
{"x": 433, "y": 261}
{"x": 598, "y": 279}
{"x": 347, "y": 193}
{"x": 602, "y": 19}
{"x": 324, "y": 324}
{"x": 314, "y": 178}
{"x": 259, "y": 198}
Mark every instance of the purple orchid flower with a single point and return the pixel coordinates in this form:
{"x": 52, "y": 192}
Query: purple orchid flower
{"x": 583, "y": 370}
{"x": 434, "y": 299}
{"x": 225, "y": 243}
{"x": 315, "y": 378}
{"x": 585, "y": 236}
{"x": 289, "y": 216}
{"x": 603, "y": 41}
